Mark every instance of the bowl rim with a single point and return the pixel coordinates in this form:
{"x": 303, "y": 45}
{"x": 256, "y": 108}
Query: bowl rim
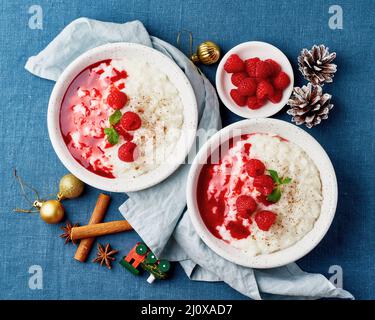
{"x": 268, "y": 109}
{"x": 302, "y": 246}
{"x": 183, "y": 145}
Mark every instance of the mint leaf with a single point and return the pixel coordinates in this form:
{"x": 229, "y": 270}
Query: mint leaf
{"x": 275, "y": 195}
{"x": 112, "y": 135}
{"x": 275, "y": 176}
{"x": 115, "y": 117}
{"x": 286, "y": 180}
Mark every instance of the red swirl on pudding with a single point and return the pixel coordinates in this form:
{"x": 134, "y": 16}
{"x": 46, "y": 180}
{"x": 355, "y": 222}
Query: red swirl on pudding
{"x": 260, "y": 194}
{"x": 89, "y": 101}
{"x": 216, "y": 188}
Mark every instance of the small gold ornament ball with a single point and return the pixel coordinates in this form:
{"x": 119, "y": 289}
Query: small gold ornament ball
{"x": 70, "y": 187}
{"x": 51, "y": 211}
{"x": 208, "y": 52}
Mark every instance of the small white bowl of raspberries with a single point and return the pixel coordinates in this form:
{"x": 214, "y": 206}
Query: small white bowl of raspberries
{"x": 254, "y": 80}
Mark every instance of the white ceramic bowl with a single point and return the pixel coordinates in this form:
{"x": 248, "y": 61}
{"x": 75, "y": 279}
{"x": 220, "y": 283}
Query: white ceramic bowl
{"x": 329, "y": 190}
{"x": 164, "y": 64}
{"x": 245, "y": 51}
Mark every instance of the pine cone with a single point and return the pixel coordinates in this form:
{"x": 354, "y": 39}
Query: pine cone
{"x": 309, "y": 105}
{"x": 315, "y": 64}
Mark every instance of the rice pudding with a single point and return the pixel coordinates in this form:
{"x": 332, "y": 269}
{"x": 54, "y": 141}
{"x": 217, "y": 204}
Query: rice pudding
{"x": 121, "y": 118}
{"x": 263, "y": 193}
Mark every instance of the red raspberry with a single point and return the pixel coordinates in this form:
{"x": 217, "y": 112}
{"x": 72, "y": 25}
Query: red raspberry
{"x": 263, "y": 199}
{"x": 263, "y": 70}
{"x": 276, "y": 98}
{"x": 255, "y": 167}
{"x": 130, "y": 121}
{"x": 247, "y": 87}
{"x": 254, "y": 103}
{"x": 264, "y": 184}
{"x": 281, "y": 81}
{"x": 234, "y": 64}
{"x": 262, "y": 102}
{"x": 237, "y": 98}
{"x": 251, "y": 65}
{"x": 245, "y": 205}
{"x": 236, "y": 78}
{"x": 275, "y": 67}
{"x": 125, "y": 134}
{"x": 265, "y": 219}
{"x": 117, "y": 99}
{"x": 264, "y": 90}
{"x": 127, "y": 152}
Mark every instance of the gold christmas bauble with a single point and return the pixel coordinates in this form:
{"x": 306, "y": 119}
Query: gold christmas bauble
{"x": 208, "y": 52}
{"x": 70, "y": 187}
{"x": 51, "y": 211}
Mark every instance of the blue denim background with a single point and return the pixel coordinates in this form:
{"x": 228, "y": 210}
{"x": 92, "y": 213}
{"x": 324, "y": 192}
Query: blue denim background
{"x": 347, "y": 136}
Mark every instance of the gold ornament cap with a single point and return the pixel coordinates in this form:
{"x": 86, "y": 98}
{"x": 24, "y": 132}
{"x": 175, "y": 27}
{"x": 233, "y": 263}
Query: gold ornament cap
{"x": 70, "y": 187}
{"x": 208, "y": 52}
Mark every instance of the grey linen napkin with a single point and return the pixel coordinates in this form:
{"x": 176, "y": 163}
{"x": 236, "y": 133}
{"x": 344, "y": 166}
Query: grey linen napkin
{"x": 159, "y": 213}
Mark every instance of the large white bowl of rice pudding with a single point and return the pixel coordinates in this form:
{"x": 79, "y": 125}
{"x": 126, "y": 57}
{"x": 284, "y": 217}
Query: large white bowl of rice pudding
{"x": 262, "y": 193}
{"x": 122, "y": 117}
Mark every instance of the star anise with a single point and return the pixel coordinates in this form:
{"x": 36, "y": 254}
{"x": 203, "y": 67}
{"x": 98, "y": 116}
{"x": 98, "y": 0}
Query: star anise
{"x": 67, "y": 231}
{"x": 105, "y": 255}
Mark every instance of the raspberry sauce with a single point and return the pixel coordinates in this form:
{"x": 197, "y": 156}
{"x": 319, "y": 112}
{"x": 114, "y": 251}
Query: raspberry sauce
{"x": 84, "y": 114}
{"x": 217, "y": 186}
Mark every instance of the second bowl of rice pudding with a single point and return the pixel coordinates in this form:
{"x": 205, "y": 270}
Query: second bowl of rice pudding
{"x": 262, "y": 193}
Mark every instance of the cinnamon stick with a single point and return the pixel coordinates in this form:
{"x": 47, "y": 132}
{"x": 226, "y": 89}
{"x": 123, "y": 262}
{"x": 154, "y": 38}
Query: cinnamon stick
{"x": 97, "y": 216}
{"x": 99, "y": 229}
